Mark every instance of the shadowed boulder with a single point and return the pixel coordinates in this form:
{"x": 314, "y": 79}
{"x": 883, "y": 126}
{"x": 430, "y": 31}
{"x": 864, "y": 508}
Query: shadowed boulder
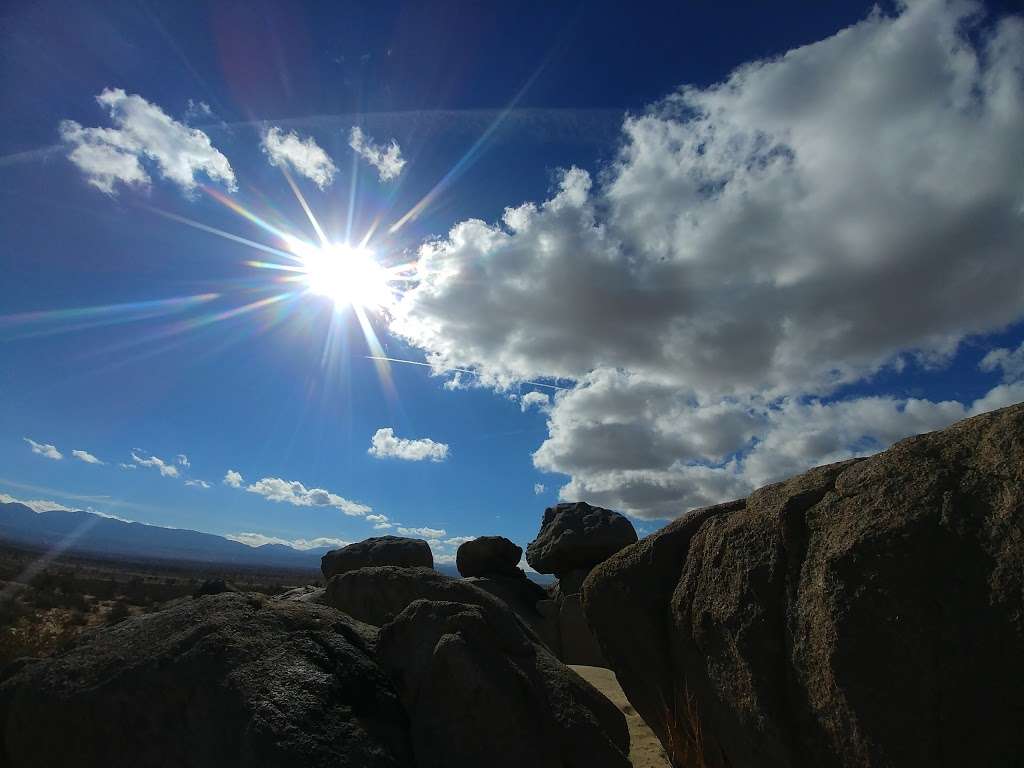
{"x": 379, "y": 550}
{"x": 864, "y": 613}
{"x": 489, "y": 556}
{"x": 226, "y": 680}
{"x": 378, "y": 595}
{"x": 481, "y": 692}
{"x": 576, "y": 535}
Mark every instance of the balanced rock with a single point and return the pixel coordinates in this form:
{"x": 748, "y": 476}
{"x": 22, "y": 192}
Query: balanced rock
{"x": 480, "y": 691}
{"x": 379, "y": 550}
{"x": 228, "y": 680}
{"x": 865, "y": 613}
{"x": 576, "y": 535}
{"x": 489, "y": 555}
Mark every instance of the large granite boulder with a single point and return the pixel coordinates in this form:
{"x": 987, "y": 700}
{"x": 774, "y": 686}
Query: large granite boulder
{"x": 489, "y": 556}
{"x": 576, "y": 535}
{"x": 379, "y": 550}
{"x": 480, "y": 691}
{"x": 224, "y": 680}
{"x": 866, "y": 613}
{"x": 377, "y": 595}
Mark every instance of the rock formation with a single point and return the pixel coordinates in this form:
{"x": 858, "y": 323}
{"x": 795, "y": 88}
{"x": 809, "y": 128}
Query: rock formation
{"x": 489, "y": 556}
{"x": 573, "y": 538}
{"x": 480, "y": 691}
{"x": 380, "y": 550}
{"x": 576, "y": 536}
{"x": 869, "y": 612}
{"x": 224, "y": 680}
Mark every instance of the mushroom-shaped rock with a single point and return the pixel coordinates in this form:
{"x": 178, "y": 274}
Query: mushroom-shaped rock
{"x": 379, "y": 550}
{"x": 479, "y": 691}
{"x": 578, "y": 536}
{"x": 228, "y": 680}
{"x": 489, "y": 555}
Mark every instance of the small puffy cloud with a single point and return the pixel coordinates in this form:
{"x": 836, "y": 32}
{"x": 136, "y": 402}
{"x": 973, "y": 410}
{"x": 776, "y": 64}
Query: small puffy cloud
{"x": 387, "y": 160}
{"x": 294, "y": 492}
{"x": 44, "y": 449}
{"x": 426, "y": 533}
{"x": 198, "y": 483}
{"x": 182, "y": 460}
{"x": 36, "y": 505}
{"x": 384, "y": 445}
{"x": 142, "y": 132}
{"x": 166, "y": 469}
{"x": 233, "y": 479}
{"x": 304, "y": 156}
{"x": 259, "y": 540}
{"x": 1008, "y": 361}
{"x": 534, "y": 399}
{"x": 457, "y": 541}
{"x": 380, "y": 522}
{"x": 85, "y": 456}
{"x": 538, "y": 489}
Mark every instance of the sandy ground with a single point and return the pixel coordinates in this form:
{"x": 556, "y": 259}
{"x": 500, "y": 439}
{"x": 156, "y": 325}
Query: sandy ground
{"x": 645, "y": 750}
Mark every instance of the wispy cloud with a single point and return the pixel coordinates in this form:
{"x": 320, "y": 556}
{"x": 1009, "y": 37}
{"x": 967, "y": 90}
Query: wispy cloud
{"x": 259, "y": 540}
{"x": 538, "y": 489}
{"x": 198, "y": 484}
{"x": 44, "y": 449}
{"x": 304, "y": 156}
{"x": 294, "y": 492}
{"x": 380, "y": 522}
{"x": 143, "y": 131}
{"x": 182, "y": 460}
{"x": 426, "y": 533}
{"x": 166, "y": 469}
{"x": 387, "y": 160}
{"x": 384, "y": 445}
{"x": 122, "y": 465}
{"x": 85, "y": 456}
{"x": 233, "y": 479}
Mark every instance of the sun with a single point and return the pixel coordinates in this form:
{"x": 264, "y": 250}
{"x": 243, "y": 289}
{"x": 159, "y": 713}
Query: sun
{"x": 347, "y": 275}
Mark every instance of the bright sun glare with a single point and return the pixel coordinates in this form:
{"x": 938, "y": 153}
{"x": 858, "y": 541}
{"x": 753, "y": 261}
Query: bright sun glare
{"x": 347, "y": 275}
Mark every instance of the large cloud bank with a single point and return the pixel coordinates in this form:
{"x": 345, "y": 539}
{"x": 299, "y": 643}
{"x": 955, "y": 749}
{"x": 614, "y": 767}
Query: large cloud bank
{"x": 756, "y": 244}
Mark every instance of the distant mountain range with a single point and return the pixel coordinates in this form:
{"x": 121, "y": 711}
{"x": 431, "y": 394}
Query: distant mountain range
{"x": 90, "y": 533}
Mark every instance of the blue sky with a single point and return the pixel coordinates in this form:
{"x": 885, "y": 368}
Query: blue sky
{"x": 739, "y": 242}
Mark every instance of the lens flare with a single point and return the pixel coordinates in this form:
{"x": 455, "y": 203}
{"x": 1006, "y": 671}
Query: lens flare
{"x": 347, "y": 275}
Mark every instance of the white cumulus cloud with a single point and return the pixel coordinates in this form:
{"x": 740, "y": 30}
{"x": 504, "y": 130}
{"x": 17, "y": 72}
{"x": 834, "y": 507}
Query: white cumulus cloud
{"x": 166, "y": 469}
{"x": 85, "y": 456}
{"x": 538, "y": 489}
{"x": 384, "y": 445}
{"x": 813, "y": 219}
{"x": 294, "y": 492}
{"x": 380, "y": 522}
{"x": 233, "y": 479}
{"x": 387, "y": 160}
{"x": 142, "y": 132}
{"x": 304, "y": 156}
{"x": 534, "y": 399}
{"x": 44, "y": 449}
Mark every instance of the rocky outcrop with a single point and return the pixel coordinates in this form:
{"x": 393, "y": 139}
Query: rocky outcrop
{"x": 489, "y": 556}
{"x": 225, "y": 680}
{"x": 214, "y": 587}
{"x": 379, "y": 550}
{"x": 869, "y": 612}
{"x": 377, "y": 595}
{"x": 573, "y": 538}
{"x": 577, "y": 536}
{"x": 480, "y": 691}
